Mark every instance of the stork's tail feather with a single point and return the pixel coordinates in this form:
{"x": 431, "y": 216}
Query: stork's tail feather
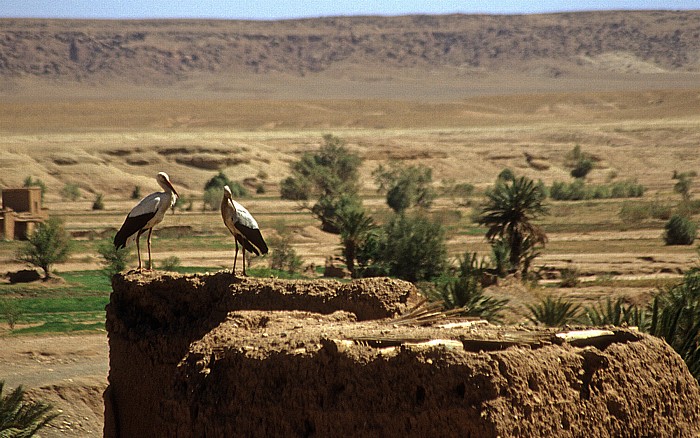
{"x": 120, "y": 239}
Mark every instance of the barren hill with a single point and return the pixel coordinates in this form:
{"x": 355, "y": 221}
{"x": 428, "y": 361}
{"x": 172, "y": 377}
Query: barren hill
{"x": 162, "y": 52}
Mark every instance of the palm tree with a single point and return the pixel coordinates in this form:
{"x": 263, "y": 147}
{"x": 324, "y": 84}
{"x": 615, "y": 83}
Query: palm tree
{"x": 22, "y": 419}
{"x": 511, "y": 207}
{"x": 354, "y": 225}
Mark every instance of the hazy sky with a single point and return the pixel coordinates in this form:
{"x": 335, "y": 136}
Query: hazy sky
{"x": 276, "y": 9}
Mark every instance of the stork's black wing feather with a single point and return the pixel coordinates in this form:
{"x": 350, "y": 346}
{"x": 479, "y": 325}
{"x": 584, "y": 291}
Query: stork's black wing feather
{"x": 131, "y": 226}
{"x": 254, "y": 239}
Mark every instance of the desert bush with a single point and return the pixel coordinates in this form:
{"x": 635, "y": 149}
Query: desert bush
{"x": 679, "y": 230}
{"x": 569, "y": 276}
{"x": 70, "y": 192}
{"x": 582, "y": 168}
{"x": 553, "y": 313}
{"x": 505, "y": 175}
{"x": 414, "y": 248}
{"x": 355, "y": 227}
{"x": 632, "y": 212}
{"x": 683, "y": 184}
{"x": 577, "y": 190}
{"x": 113, "y": 260}
{"x": 170, "y": 263}
{"x": 136, "y": 193}
{"x": 616, "y": 313}
{"x": 47, "y": 245}
{"x": 98, "y": 203}
{"x": 283, "y": 257}
{"x": 31, "y": 182}
{"x": 19, "y": 418}
{"x": 405, "y": 186}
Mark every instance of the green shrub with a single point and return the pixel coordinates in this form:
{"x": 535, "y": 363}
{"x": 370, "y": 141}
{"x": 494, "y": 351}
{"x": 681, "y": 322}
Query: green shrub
{"x": 415, "y": 248}
{"x": 577, "y": 190}
{"x": 113, "y": 260}
{"x": 582, "y": 167}
{"x": 679, "y": 230}
{"x": 569, "y": 277}
{"x": 70, "y": 192}
{"x": 633, "y": 212}
{"x": 170, "y": 263}
{"x": 553, "y": 313}
{"x": 283, "y": 257}
{"x": 136, "y": 193}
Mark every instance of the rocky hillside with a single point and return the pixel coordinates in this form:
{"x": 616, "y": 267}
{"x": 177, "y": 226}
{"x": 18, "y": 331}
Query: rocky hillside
{"x": 166, "y": 51}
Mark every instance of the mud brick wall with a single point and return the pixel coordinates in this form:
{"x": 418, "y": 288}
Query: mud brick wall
{"x": 213, "y": 355}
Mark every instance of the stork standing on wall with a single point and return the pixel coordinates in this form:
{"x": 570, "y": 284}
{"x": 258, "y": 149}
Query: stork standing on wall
{"x": 148, "y": 213}
{"x": 243, "y": 226}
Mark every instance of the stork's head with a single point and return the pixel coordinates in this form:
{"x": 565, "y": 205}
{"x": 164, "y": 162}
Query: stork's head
{"x": 164, "y": 181}
{"x": 227, "y": 192}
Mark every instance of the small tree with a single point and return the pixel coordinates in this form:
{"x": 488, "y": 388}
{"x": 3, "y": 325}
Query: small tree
{"x": 214, "y": 191}
{"x": 580, "y": 162}
{"x": 679, "y": 230}
{"x": 19, "y": 418}
{"x": 330, "y": 174}
{"x": 113, "y": 260}
{"x": 355, "y": 227}
{"x": 49, "y": 244}
{"x": 405, "y": 186}
{"x": 414, "y": 249}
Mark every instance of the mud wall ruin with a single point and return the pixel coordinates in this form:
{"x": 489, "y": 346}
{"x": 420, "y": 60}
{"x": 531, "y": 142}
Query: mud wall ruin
{"x": 214, "y": 355}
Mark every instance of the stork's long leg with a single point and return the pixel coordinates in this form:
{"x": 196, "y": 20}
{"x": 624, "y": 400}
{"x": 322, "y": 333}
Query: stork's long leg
{"x": 150, "y": 263}
{"x": 244, "y": 262}
{"x": 138, "y": 248}
{"x": 235, "y": 257}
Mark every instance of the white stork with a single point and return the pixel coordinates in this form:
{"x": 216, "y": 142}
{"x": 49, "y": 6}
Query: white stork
{"x": 148, "y": 213}
{"x": 243, "y": 226}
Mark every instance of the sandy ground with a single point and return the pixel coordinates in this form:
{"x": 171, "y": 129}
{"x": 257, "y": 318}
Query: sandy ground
{"x": 68, "y": 371}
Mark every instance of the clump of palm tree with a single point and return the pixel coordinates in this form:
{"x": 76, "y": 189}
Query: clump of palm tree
{"x": 617, "y": 312}
{"x": 465, "y": 290}
{"x": 22, "y": 419}
{"x": 554, "y": 313}
{"x": 511, "y": 208}
{"x": 675, "y": 317}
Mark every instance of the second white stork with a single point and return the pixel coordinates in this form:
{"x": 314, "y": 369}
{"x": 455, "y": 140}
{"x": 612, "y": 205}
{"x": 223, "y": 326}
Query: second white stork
{"x": 148, "y": 213}
{"x": 243, "y": 226}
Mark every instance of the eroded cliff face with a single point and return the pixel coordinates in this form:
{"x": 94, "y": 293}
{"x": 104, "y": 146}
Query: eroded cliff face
{"x": 214, "y": 355}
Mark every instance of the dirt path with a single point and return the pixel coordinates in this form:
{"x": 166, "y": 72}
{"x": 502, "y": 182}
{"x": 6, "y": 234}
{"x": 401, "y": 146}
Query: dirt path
{"x": 68, "y": 371}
